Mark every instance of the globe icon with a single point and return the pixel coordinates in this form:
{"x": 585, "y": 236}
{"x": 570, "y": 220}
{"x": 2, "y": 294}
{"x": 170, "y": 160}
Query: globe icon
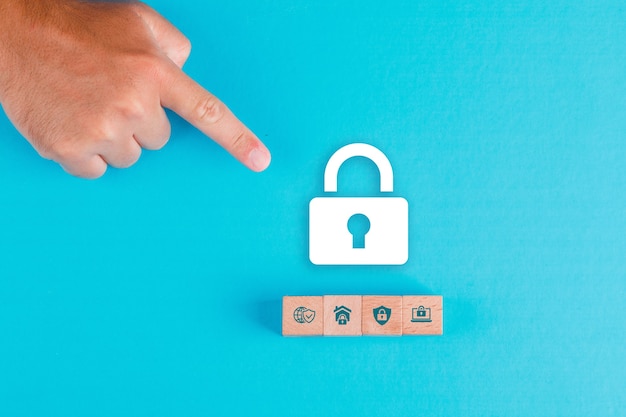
{"x": 303, "y": 315}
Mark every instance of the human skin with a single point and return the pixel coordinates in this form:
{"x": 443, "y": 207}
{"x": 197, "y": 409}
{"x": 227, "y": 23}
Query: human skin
{"x": 86, "y": 83}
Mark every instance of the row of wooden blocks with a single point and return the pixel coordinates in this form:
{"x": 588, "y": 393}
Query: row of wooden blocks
{"x": 356, "y": 315}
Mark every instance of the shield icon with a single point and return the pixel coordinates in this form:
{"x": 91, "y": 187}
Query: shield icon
{"x": 308, "y": 315}
{"x": 303, "y": 315}
{"x": 382, "y": 314}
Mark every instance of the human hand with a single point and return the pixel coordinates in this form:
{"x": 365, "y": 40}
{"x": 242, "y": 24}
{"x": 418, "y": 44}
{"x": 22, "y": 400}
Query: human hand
{"x": 86, "y": 84}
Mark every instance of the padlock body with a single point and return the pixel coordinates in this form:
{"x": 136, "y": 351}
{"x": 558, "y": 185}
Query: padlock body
{"x": 386, "y": 242}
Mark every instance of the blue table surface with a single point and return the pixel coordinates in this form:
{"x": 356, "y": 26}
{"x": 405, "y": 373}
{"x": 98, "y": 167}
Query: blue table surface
{"x": 156, "y": 290}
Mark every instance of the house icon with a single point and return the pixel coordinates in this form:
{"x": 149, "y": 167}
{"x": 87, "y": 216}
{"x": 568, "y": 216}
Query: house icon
{"x": 342, "y": 314}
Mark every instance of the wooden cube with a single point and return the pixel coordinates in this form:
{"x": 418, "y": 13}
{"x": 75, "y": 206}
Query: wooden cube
{"x": 381, "y": 315}
{"x": 342, "y": 315}
{"x": 422, "y": 315}
{"x": 303, "y": 316}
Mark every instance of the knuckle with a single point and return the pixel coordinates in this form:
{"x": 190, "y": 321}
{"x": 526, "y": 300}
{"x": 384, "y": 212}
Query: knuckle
{"x": 157, "y": 139}
{"x": 64, "y": 150}
{"x": 162, "y": 141}
{"x": 94, "y": 172}
{"x": 104, "y": 128}
{"x": 144, "y": 63}
{"x": 141, "y": 69}
{"x": 90, "y": 169}
{"x": 154, "y": 144}
{"x": 133, "y": 108}
{"x": 184, "y": 49}
{"x": 239, "y": 140}
{"x": 127, "y": 158}
{"x": 209, "y": 110}
{"x": 133, "y": 156}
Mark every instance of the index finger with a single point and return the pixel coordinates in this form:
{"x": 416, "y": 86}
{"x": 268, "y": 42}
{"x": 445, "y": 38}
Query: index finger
{"x": 206, "y": 112}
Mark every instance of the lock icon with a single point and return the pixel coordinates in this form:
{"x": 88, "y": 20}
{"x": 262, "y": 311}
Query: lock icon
{"x": 342, "y": 319}
{"x": 382, "y": 314}
{"x": 330, "y": 240}
{"x": 421, "y": 314}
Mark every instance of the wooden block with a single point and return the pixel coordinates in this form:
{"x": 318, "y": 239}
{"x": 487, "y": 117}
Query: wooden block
{"x": 303, "y": 316}
{"x": 342, "y": 315}
{"x": 382, "y": 315}
{"x": 422, "y": 314}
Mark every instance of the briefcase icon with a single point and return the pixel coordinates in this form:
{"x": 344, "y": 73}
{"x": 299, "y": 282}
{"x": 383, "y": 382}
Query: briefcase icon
{"x": 421, "y": 314}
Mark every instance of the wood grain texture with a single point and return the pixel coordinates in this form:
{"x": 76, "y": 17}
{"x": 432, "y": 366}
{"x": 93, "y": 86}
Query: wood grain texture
{"x": 422, "y": 315}
{"x": 303, "y": 316}
{"x": 342, "y": 315}
{"x": 372, "y": 308}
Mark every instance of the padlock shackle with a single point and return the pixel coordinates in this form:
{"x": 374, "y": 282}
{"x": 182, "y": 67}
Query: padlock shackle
{"x": 358, "y": 149}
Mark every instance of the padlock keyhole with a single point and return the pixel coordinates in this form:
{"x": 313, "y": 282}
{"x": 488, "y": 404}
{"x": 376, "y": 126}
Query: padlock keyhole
{"x": 358, "y": 226}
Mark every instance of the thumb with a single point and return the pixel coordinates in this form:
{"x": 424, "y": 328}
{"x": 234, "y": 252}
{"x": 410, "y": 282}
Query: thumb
{"x": 173, "y": 43}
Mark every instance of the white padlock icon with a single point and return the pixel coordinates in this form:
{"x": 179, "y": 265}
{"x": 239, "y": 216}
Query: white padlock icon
{"x": 330, "y": 240}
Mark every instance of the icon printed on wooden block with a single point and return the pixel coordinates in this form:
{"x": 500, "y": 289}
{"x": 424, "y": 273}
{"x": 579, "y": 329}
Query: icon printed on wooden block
{"x": 382, "y": 315}
{"x": 342, "y": 315}
{"x": 423, "y": 315}
{"x": 302, "y": 316}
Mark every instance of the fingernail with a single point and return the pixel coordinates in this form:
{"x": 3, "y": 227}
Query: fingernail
{"x": 259, "y": 159}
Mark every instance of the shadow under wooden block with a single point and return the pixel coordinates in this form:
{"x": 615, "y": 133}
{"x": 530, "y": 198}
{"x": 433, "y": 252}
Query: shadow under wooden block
{"x": 303, "y": 316}
{"x": 342, "y": 315}
{"x": 382, "y": 315}
{"x": 422, "y": 315}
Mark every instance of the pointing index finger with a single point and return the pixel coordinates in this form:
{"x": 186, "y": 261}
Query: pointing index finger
{"x": 206, "y": 112}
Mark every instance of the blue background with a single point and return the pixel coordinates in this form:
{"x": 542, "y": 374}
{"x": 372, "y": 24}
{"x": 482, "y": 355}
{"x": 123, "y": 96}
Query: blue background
{"x": 156, "y": 290}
